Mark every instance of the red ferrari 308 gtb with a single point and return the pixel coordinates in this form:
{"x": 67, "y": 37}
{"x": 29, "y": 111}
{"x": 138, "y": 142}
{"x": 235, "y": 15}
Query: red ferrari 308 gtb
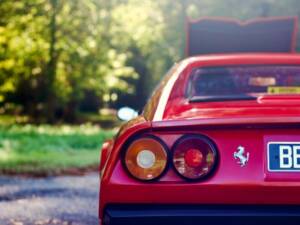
{"x": 217, "y": 143}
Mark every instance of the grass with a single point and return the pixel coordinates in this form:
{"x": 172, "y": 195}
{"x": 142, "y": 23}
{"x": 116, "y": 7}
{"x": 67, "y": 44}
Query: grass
{"x": 47, "y": 150}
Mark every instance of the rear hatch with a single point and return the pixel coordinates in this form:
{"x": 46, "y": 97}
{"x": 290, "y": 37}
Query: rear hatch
{"x": 211, "y": 35}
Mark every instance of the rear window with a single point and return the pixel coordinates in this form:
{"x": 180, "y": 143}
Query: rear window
{"x": 244, "y": 82}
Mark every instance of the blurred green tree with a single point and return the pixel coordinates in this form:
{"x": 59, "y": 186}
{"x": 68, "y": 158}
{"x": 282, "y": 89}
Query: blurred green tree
{"x": 53, "y": 51}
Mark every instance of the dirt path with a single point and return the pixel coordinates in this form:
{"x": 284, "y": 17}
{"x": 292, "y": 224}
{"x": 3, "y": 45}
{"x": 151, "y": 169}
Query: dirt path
{"x": 59, "y": 200}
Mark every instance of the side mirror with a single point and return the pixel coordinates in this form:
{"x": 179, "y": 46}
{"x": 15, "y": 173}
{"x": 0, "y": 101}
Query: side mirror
{"x": 126, "y": 113}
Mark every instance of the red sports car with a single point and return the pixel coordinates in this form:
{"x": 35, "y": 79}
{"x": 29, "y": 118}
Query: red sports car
{"x": 217, "y": 143}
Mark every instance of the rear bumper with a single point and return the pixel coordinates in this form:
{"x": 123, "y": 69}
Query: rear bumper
{"x": 204, "y": 214}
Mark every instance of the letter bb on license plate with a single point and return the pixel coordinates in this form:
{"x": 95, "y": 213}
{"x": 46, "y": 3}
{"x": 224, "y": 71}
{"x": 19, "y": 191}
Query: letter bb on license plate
{"x": 284, "y": 156}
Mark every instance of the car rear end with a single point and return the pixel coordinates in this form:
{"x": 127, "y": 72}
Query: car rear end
{"x": 220, "y": 159}
{"x": 229, "y": 192}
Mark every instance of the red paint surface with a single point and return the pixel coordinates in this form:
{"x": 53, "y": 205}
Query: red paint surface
{"x": 251, "y": 124}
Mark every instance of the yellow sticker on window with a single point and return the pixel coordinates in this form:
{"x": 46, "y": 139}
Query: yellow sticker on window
{"x": 284, "y": 90}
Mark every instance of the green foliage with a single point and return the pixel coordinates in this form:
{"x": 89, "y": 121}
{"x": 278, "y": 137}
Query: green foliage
{"x": 86, "y": 61}
{"x": 22, "y": 47}
{"x": 60, "y": 50}
{"x": 49, "y": 149}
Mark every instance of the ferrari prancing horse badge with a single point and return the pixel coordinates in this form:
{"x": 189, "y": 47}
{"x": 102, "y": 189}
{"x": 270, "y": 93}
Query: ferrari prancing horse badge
{"x": 241, "y": 156}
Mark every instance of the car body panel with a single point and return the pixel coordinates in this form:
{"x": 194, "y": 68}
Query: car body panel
{"x": 261, "y": 108}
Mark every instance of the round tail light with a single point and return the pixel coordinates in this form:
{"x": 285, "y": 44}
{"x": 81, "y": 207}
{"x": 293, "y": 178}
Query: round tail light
{"x": 194, "y": 157}
{"x": 146, "y": 158}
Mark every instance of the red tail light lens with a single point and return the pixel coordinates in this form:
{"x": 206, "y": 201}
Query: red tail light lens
{"x": 194, "y": 157}
{"x": 146, "y": 158}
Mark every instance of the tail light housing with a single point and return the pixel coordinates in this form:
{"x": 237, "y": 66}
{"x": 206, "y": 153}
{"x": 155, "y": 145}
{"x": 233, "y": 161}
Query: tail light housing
{"x": 146, "y": 158}
{"x": 194, "y": 157}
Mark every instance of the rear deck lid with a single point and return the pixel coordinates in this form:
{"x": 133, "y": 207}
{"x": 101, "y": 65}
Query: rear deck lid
{"x": 211, "y": 35}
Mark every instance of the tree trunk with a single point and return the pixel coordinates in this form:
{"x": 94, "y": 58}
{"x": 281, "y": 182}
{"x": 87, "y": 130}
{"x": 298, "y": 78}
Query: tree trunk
{"x": 51, "y": 68}
{"x": 70, "y": 112}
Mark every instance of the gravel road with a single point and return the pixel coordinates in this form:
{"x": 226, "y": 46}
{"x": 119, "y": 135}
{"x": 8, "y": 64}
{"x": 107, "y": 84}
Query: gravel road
{"x": 67, "y": 200}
